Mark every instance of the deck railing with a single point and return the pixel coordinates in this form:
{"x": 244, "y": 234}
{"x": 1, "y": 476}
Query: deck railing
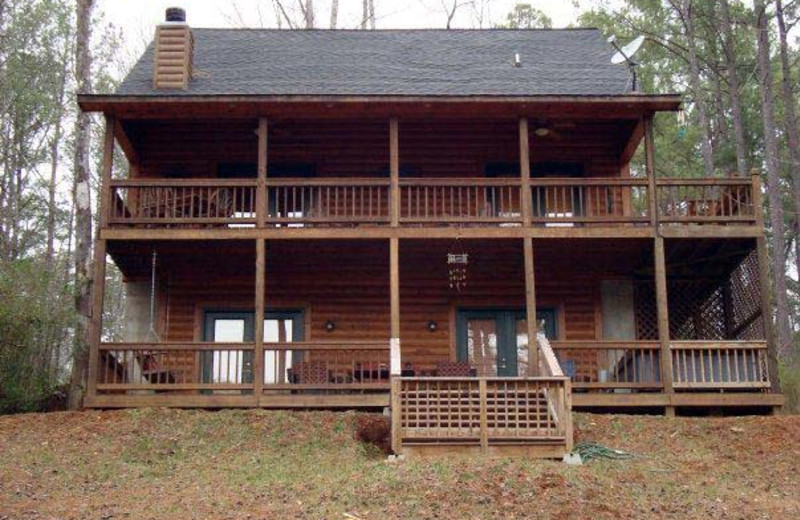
{"x": 171, "y": 366}
{"x": 610, "y": 364}
{"x": 557, "y": 202}
{"x": 326, "y": 366}
{"x": 719, "y": 364}
{"x": 167, "y": 202}
{"x": 460, "y": 201}
{"x": 569, "y": 201}
{"x": 706, "y": 201}
{"x": 479, "y": 411}
{"x": 209, "y": 368}
{"x": 327, "y": 201}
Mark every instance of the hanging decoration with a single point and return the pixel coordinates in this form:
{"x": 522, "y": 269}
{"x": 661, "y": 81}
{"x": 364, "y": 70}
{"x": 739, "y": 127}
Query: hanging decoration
{"x": 457, "y": 270}
{"x": 681, "y": 124}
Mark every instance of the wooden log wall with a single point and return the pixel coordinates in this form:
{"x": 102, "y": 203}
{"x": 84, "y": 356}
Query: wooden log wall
{"x": 361, "y": 148}
{"x": 347, "y": 282}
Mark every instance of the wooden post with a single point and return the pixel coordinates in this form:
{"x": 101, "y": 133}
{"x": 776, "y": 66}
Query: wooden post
{"x": 105, "y": 174}
{"x": 765, "y": 284}
{"x": 530, "y": 308}
{"x": 394, "y": 171}
{"x": 650, "y": 166}
{"x": 525, "y": 172}
{"x": 258, "y": 321}
{"x": 396, "y": 421}
{"x": 394, "y": 296}
{"x": 96, "y": 321}
{"x": 395, "y": 362}
{"x": 261, "y": 183}
{"x": 99, "y": 264}
{"x": 483, "y": 397}
{"x": 663, "y": 319}
{"x": 568, "y": 431}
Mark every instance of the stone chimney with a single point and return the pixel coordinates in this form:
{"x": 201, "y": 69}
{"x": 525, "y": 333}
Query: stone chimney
{"x": 172, "y": 67}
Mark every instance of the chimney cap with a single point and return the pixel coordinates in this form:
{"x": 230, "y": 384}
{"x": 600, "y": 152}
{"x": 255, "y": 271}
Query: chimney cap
{"x": 176, "y": 14}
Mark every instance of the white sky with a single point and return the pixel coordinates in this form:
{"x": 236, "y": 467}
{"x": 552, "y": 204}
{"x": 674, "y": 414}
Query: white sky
{"x": 137, "y": 18}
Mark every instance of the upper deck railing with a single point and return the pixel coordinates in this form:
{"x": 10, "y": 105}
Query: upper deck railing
{"x": 434, "y": 202}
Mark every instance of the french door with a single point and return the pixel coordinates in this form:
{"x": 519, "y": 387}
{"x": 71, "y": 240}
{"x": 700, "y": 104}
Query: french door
{"x": 495, "y": 341}
{"x": 236, "y": 366}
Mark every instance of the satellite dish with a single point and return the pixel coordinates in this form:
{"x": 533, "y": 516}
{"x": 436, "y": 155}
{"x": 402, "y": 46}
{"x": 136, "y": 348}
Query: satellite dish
{"x": 625, "y": 53}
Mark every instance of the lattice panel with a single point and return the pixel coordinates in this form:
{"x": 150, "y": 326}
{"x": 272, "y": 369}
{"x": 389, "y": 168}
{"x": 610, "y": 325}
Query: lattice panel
{"x": 441, "y": 409}
{"x": 728, "y": 309}
{"x": 518, "y": 409}
{"x": 745, "y": 294}
{"x": 646, "y": 315}
{"x": 696, "y": 310}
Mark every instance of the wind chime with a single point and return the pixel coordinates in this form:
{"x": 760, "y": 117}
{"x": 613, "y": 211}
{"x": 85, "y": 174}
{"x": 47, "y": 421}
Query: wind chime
{"x": 457, "y": 261}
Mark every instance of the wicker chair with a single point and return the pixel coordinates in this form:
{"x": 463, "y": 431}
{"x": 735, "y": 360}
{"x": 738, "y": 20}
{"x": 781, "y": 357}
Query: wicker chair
{"x": 310, "y": 373}
{"x": 454, "y": 369}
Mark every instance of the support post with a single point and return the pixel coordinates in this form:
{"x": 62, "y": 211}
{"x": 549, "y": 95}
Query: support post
{"x": 99, "y": 264}
{"x": 395, "y": 366}
{"x": 534, "y": 364}
{"x": 96, "y": 321}
{"x": 525, "y": 172}
{"x": 394, "y": 303}
{"x": 483, "y": 398}
{"x": 663, "y": 319}
{"x": 765, "y": 285}
{"x": 394, "y": 172}
{"x": 258, "y": 322}
{"x": 105, "y": 173}
{"x": 650, "y": 166}
{"x": 261, "y": 182}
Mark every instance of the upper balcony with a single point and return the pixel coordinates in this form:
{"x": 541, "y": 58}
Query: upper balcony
{"x": 558, "y": 174}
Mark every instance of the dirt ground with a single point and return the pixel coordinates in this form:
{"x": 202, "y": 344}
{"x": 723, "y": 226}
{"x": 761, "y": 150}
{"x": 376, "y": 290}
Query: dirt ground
{"x": 173, "y": 464}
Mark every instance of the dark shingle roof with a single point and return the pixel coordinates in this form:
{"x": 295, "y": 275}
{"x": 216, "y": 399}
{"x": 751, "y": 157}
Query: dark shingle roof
{"x": 395, "y": 63}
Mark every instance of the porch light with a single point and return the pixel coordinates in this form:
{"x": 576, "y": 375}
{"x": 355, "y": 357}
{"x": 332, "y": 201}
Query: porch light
{"x": 330, "y": 326}
{"x": 542, "y": 131}
{"x": 432, "y": 326}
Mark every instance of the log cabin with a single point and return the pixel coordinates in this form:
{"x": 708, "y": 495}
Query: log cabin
{"x": 445, "y": 224}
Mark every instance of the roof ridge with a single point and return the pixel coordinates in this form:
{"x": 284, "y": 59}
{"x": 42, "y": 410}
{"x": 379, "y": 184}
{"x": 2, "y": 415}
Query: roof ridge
{"x": 424, "y": 29}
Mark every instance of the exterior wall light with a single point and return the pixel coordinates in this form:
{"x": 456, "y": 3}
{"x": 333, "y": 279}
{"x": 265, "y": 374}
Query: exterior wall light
{"x": 330, "y": 326}
{"x": 432, "y": 326}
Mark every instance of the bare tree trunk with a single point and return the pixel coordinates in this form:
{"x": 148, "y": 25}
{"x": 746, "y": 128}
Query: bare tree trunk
{"x": 309, "y": 13}
{"x": 364, "y": 13}
{"x": 334, "y": 13}
{"x": 54, "y": 158}
{"x": 687, "y": 16}
{"x": 735, "y": 93}
{"x": 773, "y": 180}
{"x": 81, "y": 192}
{"x": 790, "y": 125}
{"x": 371, "y": 14}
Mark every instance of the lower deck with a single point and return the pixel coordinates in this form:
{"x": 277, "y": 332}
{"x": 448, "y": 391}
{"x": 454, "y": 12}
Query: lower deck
{"x": 466, "y": 373}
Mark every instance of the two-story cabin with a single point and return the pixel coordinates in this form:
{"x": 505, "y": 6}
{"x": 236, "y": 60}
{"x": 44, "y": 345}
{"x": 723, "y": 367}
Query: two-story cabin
{"x": 443, "y": 222}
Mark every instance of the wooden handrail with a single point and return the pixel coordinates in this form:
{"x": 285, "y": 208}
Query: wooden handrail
{"x": 718, "y": 345}
{"x": 178, "y": 183}
{"x": 175, "y": 345}
{"x": 551, "y": 364}
{"x": 460, "y": 181}
{"x": 327, "y": 345}
{"x": 704, "y": 181}
{"x": 604, "y": 344}
{"x": 587, "y": 181}
{"x": 328, "y": 181}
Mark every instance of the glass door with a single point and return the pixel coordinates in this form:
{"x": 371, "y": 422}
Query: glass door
{"x": 495, "y": 341}
{"x": 282, "y": 327}
{"x": 228, "y": 365}
{"x": 236, "y": 366}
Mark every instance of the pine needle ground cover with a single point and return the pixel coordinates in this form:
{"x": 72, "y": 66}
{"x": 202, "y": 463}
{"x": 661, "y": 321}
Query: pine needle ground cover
{"x": 180, "y": 464}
